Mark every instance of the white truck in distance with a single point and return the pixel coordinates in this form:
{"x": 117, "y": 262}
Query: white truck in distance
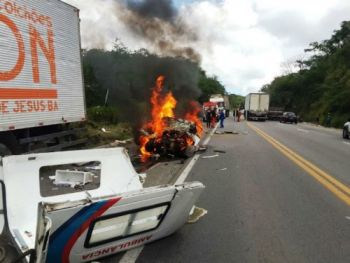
{"x": 257, "y": 106}
{"x": 41, "y": 80}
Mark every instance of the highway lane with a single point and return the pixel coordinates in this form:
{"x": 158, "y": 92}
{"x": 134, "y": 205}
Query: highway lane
{"x": 263, "y": 207}
{"x": 324, "y": 147}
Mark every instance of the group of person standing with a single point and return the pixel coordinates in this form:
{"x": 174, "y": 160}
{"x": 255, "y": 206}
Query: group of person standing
{"x": 211, "y": 117}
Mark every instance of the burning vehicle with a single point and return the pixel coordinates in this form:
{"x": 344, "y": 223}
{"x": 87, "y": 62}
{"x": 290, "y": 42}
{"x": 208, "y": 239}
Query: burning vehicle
{"x": 166, "y": 135}
{"x": 179, "y": 138}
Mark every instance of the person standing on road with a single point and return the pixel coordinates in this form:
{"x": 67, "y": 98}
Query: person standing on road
{"x": 208, "y": 118}
{"x": 213, "y": 118}
{"x": 221, "y": 118}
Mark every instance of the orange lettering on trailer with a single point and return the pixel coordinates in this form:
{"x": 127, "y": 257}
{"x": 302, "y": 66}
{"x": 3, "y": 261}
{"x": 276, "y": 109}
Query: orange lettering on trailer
{"x": 49, "y": 52}
{"x": 4, "y": 107}
{"x": 8, "y": 75}
{"x": 18, "y": 93}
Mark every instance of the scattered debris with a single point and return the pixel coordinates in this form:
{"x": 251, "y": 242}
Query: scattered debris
{"x": 222, "y": 169}
{"x": 143, "y": 177}
{"x": 202, "y": 149}
{"x": 118, "y": 142}
{"x": 347, "y": 217}
{"x": 96, "y": 167}
{"x": 196, "y": 214}
{"x": 232, "y": 132}
{"x": 72, "y": 178}
{"x": 155, "y": 157}
{"x": 219, "y": 151}
{"x": 210, "y": 156}
{"x": 226, "y": 132}
{"x": 104, "y": 130}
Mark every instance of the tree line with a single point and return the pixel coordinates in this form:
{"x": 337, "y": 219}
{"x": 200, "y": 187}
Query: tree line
{"x": 321, "y": 85}
{"x": 122, "y": 79}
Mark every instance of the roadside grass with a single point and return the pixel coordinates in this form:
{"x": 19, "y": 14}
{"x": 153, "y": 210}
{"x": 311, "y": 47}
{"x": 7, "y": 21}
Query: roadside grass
{"x": 99, "y": 134}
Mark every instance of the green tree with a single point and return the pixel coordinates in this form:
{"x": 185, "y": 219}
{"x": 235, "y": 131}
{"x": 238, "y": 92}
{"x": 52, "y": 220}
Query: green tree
{"x": 322, "y": 85}
{"x": 209, "y": 86}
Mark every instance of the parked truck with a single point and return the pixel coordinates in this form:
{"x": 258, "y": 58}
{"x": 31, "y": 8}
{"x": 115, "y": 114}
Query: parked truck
{"x": 41, "y": 80}
{"x": 257, "y": 106}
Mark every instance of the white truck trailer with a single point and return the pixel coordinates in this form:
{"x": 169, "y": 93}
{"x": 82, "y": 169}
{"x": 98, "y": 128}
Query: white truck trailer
{"x": 41, "y": 80}
{"x": 257, "y": 106}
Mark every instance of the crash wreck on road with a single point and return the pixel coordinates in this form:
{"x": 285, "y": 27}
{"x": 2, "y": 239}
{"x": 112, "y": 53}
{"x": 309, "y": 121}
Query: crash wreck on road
{"x": 166, "y": 135}
{"x": 78, "y": 206}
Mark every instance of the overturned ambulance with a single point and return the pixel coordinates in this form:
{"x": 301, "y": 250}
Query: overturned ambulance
{"x": 78, "y": 206}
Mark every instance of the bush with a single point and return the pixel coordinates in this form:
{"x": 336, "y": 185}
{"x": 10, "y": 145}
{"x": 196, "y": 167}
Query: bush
{"x": 103, "y": 114}
{"x": 339, "y": 120}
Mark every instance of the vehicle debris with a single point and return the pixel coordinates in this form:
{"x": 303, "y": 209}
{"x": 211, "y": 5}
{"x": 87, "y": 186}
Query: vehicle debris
{"x": 222, "y": 169}
{"x": 219, "y": 151}
{"x": 231, "y": 132}
{"x": 202, "y": 149}
{"x": 165, "y": 134}
{"x": 179, "y": 139}
{"x": 210, "y": 156}
{"x": 72, "y": 178}
{"x": 102, "y": 220}
{"x": 196, "y": 214}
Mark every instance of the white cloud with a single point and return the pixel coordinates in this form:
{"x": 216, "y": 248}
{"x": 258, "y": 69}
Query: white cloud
{"x": 243, "y": 42}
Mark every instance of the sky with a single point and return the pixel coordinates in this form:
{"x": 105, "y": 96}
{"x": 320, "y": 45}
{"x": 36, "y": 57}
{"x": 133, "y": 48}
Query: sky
{"x": 245, "y": 43}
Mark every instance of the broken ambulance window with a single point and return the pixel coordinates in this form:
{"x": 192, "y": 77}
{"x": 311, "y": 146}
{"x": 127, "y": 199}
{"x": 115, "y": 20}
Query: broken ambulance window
{"x": 69, "y": 178}
{"x": 113, "y": 227}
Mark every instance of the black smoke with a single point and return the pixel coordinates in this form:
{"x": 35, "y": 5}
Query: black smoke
{"x": 162, "y": 9}
{"x": 130, "y": 77}
{"x": 158, "y": 22}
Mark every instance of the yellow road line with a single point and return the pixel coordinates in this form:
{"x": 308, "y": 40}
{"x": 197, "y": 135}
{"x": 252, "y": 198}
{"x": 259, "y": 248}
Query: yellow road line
{"x": 337, "y": 188}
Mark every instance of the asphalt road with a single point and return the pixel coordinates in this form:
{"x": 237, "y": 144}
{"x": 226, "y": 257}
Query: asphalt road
{"x": 262, "y": 206}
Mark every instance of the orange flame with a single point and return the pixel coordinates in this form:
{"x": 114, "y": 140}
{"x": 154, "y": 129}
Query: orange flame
{"x": 193, "y": 116}
{"x": 163, "y": 107}
{"x": 143, "y": 141}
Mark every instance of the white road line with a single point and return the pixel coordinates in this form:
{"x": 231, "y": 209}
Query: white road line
{"x": 195, "y": 158}
{"x": 131, "y": 255}
{"x": 187, "y": 170}
{"x": 206, "y": 141}
{"x": 347, "y": 143}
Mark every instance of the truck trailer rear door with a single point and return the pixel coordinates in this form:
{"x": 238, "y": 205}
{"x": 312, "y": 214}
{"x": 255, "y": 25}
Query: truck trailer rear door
{"x": 89, "y": 229}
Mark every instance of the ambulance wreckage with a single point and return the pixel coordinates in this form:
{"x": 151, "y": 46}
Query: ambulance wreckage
{"x": 78, "y": 206}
